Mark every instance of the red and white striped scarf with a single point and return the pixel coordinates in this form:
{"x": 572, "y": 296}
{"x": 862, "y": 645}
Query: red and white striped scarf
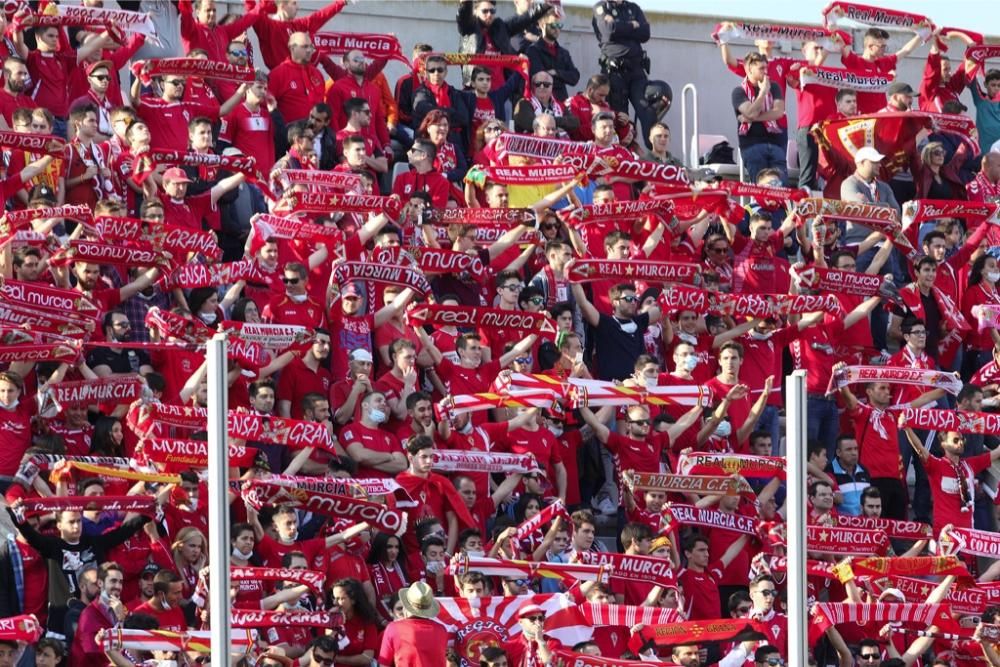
{"x": 751, "y": 91}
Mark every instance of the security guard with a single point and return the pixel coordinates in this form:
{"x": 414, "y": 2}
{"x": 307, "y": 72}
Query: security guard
{"x": 621, "y": 30}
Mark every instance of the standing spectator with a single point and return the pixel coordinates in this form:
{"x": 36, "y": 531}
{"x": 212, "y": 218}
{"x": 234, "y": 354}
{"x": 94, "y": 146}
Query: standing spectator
{"x": 547, "y": 55}
{"x": 940, "y": 84}
{"x": 274, "y": 31}
{"x": 436, "y": 94}
{"x": 416, "y": 640}
{"x": 254, "y": 123}
{"x": 543, "y": 103}
{"x": 622, "y": 29}
{"x": 296, "y": 83}
{"x": 851, "y": 477}
{"x": 483, "y": 32}
{"x": 15, "y": 80}
{"x": 357, "y": 84}
{"x": 759, "y": 105}
{"x": 987, "y": 106}
{"x": 200, "y": 29}
{"x": 659, "y": 146}
{"x": 873, "y": 60}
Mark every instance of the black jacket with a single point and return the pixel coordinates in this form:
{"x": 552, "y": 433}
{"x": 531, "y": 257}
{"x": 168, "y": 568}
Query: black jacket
{"x": 618, "y": 38}
{"x": 459, "y": 114}
{"x": 500, "y": 31}
{"x": 510, "y": 90}
{"x": 566, "y": 73}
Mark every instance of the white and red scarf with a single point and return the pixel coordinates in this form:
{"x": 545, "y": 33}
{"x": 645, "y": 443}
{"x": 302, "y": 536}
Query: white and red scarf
{"x": 751, "y": 91}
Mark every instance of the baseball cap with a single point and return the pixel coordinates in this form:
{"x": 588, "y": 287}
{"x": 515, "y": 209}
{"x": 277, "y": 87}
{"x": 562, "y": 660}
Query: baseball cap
{"x": 894, "y": 592}
{"x": 897, "y": 87}
{"x": 151, "y": 568}
{"x": 659, "y": 543}
{"x": 868, "y": 153}
{"x": 530, "y": 609}
{"x": 350, "y": 289}
{"x": 360, "y": 354}
{"x": 97, "y": 65}
{"x": 176, "y": 174}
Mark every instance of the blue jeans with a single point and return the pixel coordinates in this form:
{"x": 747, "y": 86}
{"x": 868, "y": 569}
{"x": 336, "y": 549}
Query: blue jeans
{"x": 823, "y": 422}
{"x": 764, "y": 155}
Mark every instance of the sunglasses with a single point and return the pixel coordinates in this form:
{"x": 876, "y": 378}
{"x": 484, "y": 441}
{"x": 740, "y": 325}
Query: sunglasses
{"x": 629, "y": 299}
{"x": 435, "y": 70}
{"x": 522, "y": 360}
{"x": 176, "y": 82}
{"x": 556, "y": 25}
{"x": 536, "y": 300}
{"x": 869, "y": 656}
{"x": 519, "y": 582}
{"x": 550, "y": 225}
{"x": 290, "y": 281}
{"x": 543, "y": 84}
{"x": 640, "y": 422}
{"x": 768, "y": 592}
{"x": 488, "y": 11}
{"x": 100, "y": 77}
{"x": 239, "y": 54}
{"x": 536, "y": 619}
{"x": 775, "y": 661}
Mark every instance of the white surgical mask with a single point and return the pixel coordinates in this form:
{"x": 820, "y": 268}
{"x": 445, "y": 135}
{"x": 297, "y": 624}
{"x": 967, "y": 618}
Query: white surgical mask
{"x": 12, "y": 406}
{"x": 629, "y": 327}
{"x": 556, "y": 431}
{"x": 377, "y": 416}
{"x": 760, "y": 335}
{"x": 242, "y": 556}
{"x": 298, "y": 298}
{"x": 208, "y": 318}
{"x": 691, "y": 362}
{"x": 167, "y": 663}
{"x": 475, "y": 553}
{"x": 993, "y": 276}
{"x": 467, "y": 429}
{"x": 723, "y": 430}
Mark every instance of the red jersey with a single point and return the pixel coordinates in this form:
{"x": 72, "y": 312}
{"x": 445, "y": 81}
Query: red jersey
{"x": 540, "y": 443}
{"x": 171, "y": 619}
{"x": 375, "y": 439}
{"x": 252, "y": 132}
{"x": 11, "y": 103}
{"x": 877, "y": 434}
{"x": 271, "y": 551}
{"x": 282, "y": 309}
{"x": 15, "y": 435}
{"x": 886, "y": 66}
{"x": 433, "y": 183}
{"x": 171, "y": 120}
{"x": 944, "y": 478}
{"x": 50, "y": 73}
{"x": 297, "y": 380}
{"x": 701, "y": 591}
{"x": 297, "y": 88}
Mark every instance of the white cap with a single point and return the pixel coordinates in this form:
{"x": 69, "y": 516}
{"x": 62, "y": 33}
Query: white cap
{"x": 894, "y": 592}
{"x": 868, "y": 153}
{"x": 360, "y": 354}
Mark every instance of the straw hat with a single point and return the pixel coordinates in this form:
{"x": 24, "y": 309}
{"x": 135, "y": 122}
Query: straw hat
{"x": 418, "y": 600}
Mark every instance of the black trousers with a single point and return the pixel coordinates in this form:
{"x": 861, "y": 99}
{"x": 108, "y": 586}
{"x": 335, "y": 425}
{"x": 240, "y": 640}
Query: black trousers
{"x": 628, "y": 85}
{"x": 893, "y": 497}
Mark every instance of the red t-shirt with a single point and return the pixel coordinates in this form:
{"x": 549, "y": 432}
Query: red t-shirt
{"x": 171, "y": 619}
{"x": 15, "y": 435}
{"x": 361, "y": 636}
{"x": 432, "y": 183}
{"x": 271, "y": 551}
{"x": 878, "y": 435}
{"x": 297, "y": 88}
{"x": 886, "y": 65}
{"x": 297, "y": 380}
{"x": 738, "y": 410}
{"x": 701, "y": 591}
{"x": 375, "y": 439}
{"x": 814, "y": 351}
{"x": 50, "y": 73}
{"x": 11, "y": 103}
{"x": 638, "y": 455}
{"x": 762, "y": 358}
{"x": 414, "y": 642}
{"x": 541, "y": 444}
{"x": 190, "y": 212}
{"x": 284, "y": 310}
{"x": 945, "y": 490}
{"x": 171, "y": 121}
{"x": 252, "y": 132}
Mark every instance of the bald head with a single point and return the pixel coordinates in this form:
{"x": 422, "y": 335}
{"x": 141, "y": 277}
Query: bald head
{"x": 991, "y": 166}
{"x": 300, "y": 47}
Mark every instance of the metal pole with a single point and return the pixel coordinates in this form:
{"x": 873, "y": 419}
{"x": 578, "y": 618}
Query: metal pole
{"x": 795, "y": 449}
{"x": 218, "y": 502}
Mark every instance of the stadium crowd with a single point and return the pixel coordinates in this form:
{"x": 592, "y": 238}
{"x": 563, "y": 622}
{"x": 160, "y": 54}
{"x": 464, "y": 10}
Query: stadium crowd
{"x": 504, "y": 376}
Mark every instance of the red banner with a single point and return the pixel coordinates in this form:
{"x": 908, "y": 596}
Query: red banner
{"x": 123, "y": 504}
{"x": 969, "y": 541}
{"x": 107, "y": 253}
{"x": 18, "y": 316}
{"x": 484, "y": 318}
{"x": 938, "y": 566}
{"x": 901, "y": 530}
{"x": 39, "y": 144}
{"x": 311, "y": 578}
{"x": 837, "y": 281}
{"x": 539, "y": 148}
{"x": 626, "y": 567}
{"x": 868, "y": 15}
{"x": 525, "y": 174}
{"x": 180, "y": 454}
{"x": 491, "y": 217}
{"x": 48, "y": 298}
{"x": 679, "y": 298}
{"x": 190, "y": 276}
{"x": 745, "y": 465}
{"x": 115, "y": 389}
{"x": 960, "y": 421}
{"x": 248, "y": 618}
{"x": 179, "y": 241}
{"x": 699, "y": 484}
{"x": 24, "y": 628}
{"x": 199, "y": 67}
{"x": 695, "y": 632}
{"x": 689, "y": 515}
{"x": 62, "y": 352}
{"x": 401, "y": 276}
{"x": 616, "y": 212}
{"x": 372, "y": 45}
{"x": 324, "y": 202}
{"x": 433, "y": 261}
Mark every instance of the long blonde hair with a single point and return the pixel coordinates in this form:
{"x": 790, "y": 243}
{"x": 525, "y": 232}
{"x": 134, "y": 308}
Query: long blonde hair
{"x": 183, "y": 535}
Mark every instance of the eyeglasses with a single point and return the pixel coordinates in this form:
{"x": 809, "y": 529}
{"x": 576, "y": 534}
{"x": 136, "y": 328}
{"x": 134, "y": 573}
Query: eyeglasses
{"x": 536, "y": 619}
{"x": 768, "y": 592}
{"x": 869, "y": 656}
{"x": 556, "y": 25}
{"x": 543, "y": 84}
{"x": 290, "y": 281}
{"x": 512, "y": 288}
{"x": 522, "y": 360}
{"x": 918, "y": 333}
{"x": 175, "y": 82}
{"x": 324, "y": 660}
{"x": 775, "y": 661}
{"x": 629, "y": 299}
{"x": 100, "y": 77}
{"x": 519, "y": 582}
{"x": 435, "y": 70}
{"x": 640, "y": 422}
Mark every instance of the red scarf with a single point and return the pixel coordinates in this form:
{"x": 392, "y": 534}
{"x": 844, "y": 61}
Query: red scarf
{"x": 446, "y": 159}
{"x": 419, "y": 487}
{"x": 387, "y": 580}
{"x": 751, "y": 92}
{"x": 442, "y": 94}
{"x": 952, "y": 316}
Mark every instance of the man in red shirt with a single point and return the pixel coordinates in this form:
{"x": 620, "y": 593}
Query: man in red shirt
{"x": 169, "y": 113}
{"x": 939, "y": 83}
{"x": 700, "y": 579}
{"x": 193, "y": 212}
{"x": 295, "y": 307}
{"x": 304, "y": 375}
{"x": 376, "y": 451}
{"x": 400, "y": 381}
{"x": 250, "y": 126}
{"x": 532, "y": 438}
{"x": 358, "y": 85}
{"x": 588, "y": 103}
{"x": 416, "y": 640}
{"x": 421, "y": 176}
{"x": 165, "y": 605}
{"x": 874, "y": 61}
{"x": 952, "y": 478}
{"x": 296, "y": 83}
{"x": 200, "y": 29}
{"x": 15, "y": 80}
{"x": 274, "y": 31}
{"x": 730, "y": 362}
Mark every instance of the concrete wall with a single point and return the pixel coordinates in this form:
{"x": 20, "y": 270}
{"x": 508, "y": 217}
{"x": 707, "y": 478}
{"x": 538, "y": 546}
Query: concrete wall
{"x": 681, "y": 50}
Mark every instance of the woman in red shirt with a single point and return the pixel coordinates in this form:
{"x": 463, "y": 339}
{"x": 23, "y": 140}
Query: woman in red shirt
{"x": 983, "y": 278}
{"x": 387, "y": 574}
{"x": 360, "y": 624}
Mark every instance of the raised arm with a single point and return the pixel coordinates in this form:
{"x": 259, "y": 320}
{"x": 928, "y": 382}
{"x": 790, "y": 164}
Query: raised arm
{"x": 915, "y": 443}
{"x": 590, "y": 314}
{"x": 601, "y": 432}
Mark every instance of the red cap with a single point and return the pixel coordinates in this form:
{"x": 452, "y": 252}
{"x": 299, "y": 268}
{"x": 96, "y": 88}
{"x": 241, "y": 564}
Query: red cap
{"x": 530, "y": 609}
{"x": 176, "y": 174}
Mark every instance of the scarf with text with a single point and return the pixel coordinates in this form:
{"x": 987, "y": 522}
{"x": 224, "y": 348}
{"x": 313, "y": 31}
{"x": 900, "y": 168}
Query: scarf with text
{"x": 768, "y": 197}
{"x": 269, "y": 226}
{"x": 883, "y": 219}
{"x": 449, "y": 460}
{"x": 109, "y": 253}
{"x": 961, "y": 421}
{"x": 206, "y": 69}
{"x": 180, "y": 455}
{"x": 616, "y": 212}
{"x": 750, "y": 89}
{"x": 901, "y": 530}
{"x": 179, "y": 241}
{"x": 24, "y": 628}
{"x": 45, "y": 322}
{"x": 340, "y": 486}
{"x": 978, "y": 54}
{"x": 932, "y": 379}
{"x": 838, "y": 281}
{"x": 38, "y": 144}
{"x": 699, "y": 484}
{"x": 499, "y": 567}
{"x": 589, "y": 270}
{"x": 260, "y": 493}
{"x": 48, "y": 298}
{"x": 524, "y": 174}
{"x": 599, "y": 615}
{"x": 122, "y": 504}
{"x": 62, "y": 352}
{"x": 695, "y": 632}
{"x": 116, "y": 473}
{"x": 772, "y": 32}
{"x": 116, "y": 389}
{"x": 371, "y": 45}
{"x": 961, "y": 600}
{"x": 199, "y": 641}
{"x": 969, "y": 541}
{"x": 248, "y": 618}
{"x": 598, "y": 393}
{"x": 146, "y": 163}
{"x": 120, "y": 19}
{"x": 451, "y": 406}
{"x": 13, "y": 219}
{"x": 489, "y": 217}
{"x": 867, "y": 15}
{"x": 838, "y": 77}
{"x": 779, "y": 564}
{"x": 628, "y": 567}
{"x": 539, "y": 148}
{"x": 49, "y": 461}
{"x": 172, "y": 326}
{"x": 917, "y": 211}
{"x": 827, "y": 614}
{"x": 689, "y": 515}
{"x": 337, "y": 202}
{"x": 546, "y": 515}
{"x": 913, "y": 566}
{"x": 311, "y": 578}
{"x": 335, "y": 180}
{"x": 191, "y": 276}
{"x": 746, "y": 465}
{"x": 434, "y": 261}
{"x": 629, "y": 169}
{"x": 272, "y": 336}
{"x": 840, "y": 540}
{"x": 490, "y": 319}
{"x": 398, "y": 275}
{"x": 680, "y": 297}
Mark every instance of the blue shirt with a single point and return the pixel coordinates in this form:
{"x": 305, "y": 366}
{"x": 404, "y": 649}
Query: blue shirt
{"x": 851, "y": 487}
